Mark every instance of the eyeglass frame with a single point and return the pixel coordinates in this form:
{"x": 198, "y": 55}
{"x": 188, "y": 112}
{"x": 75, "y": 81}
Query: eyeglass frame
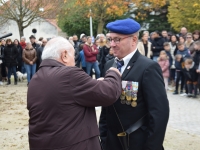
{"x": 118, "y": 40}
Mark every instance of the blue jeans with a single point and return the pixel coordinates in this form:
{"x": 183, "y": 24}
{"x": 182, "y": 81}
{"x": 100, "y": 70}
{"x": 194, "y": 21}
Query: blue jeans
{"x": 12, "y": 70}
{"x": 23, "y": 68}
{"x": 90, "y": 65}
{"x": 155, "y": 58}
{"x": 30, "y": 69}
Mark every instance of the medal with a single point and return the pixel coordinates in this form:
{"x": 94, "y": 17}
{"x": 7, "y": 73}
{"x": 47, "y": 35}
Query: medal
{"x": 123, "y": 101}
{"x": 134, "y": 104}
{"x": 128, "y": 102}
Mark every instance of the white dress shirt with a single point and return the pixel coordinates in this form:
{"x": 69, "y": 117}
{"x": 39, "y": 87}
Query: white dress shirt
{"x": 126, "y": 60}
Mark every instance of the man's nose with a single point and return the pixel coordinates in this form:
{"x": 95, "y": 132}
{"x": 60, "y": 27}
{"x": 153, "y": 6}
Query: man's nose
{"x": 112, "y": 43}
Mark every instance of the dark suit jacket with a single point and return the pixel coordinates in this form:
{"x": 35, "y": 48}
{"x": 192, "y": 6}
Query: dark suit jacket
{"x": 61, "y": 103}
{"x": 151, "y": 99}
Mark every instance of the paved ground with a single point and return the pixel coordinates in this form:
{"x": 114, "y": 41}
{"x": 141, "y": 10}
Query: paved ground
{"x": 183, "y": 132}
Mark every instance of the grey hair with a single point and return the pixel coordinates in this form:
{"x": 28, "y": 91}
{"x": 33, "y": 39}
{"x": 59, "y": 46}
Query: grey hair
{"x": 23, "y": 37}
{"x": 55, "y": 46}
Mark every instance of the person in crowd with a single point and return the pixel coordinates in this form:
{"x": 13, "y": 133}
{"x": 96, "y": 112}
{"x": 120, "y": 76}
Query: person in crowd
{"x": 165, "y": 36}
{"x": 179, "y": 64}
{"x": 90, "y": 52}
{"x": 157, "y": 45}
{"x": 29, "y": 56}
{"x": 82, "y": 58}
{"x": 144, "y": 46}
{"x": 36, "y": 47}
{"x": 40, "y": 39}
{"x": 196, "y": 35}
{"x": 71, "y": 40}
{"x": 23, "y": 42}
{"x": 3, "y": 65}
{"x": 173, "y": 51}
{"x": 182, "y": 39}
{"x": 143, "y": 78}
{"x": 163, "y": 61}
{"x": 20, "y": 62}
{"x": 102, "y": 40}
{"x": 110, "y": 56}
{"x": 39, "y": 43}
{"x": 1, "y": 61}
{"x": 76, "y": 42}
{"x": 151, "y": 37}
{"x": 104, "y": 51}
{"x": 83, "y": 40}
{"x": 183, "y": 32}
{"x": 191, "y": 77}
{"x": 40, "y": 50}
{"x": 10, "y": 55}
{"x": 196, "y": 59}
{"x": 67, "y": 101}
{"x": 189, "y": 40}
{"x": 167, "y": 50}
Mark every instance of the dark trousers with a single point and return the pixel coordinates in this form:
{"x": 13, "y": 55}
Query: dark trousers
{"x": 19, "y": 68}
{"x": 0, "y": 73}
{"x": 172, "y": 74}
{"x": 180, "y": 76}
{"x": 3, "y": 70}
{"x": 192, "y": 85}
{"x": 11, "y": 70}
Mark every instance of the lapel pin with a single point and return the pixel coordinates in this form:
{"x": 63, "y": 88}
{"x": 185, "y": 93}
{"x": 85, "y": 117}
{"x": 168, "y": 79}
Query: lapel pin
{"x": 128, "y": 67}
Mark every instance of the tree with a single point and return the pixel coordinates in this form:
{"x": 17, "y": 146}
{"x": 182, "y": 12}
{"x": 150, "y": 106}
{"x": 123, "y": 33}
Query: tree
{"x": 77, "y": 11}
{"x": 184, "y": 13}
{"x": 25, "y": 12}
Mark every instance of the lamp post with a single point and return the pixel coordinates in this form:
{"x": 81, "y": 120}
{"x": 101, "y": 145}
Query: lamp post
{"x": 91, "y": 30}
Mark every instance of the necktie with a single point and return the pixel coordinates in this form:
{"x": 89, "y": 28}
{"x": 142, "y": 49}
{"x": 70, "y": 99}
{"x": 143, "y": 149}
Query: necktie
{"x": 120, "y": 63}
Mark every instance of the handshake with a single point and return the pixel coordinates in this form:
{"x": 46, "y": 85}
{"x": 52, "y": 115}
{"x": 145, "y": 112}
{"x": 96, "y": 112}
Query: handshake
{"x": 114, "y": 69}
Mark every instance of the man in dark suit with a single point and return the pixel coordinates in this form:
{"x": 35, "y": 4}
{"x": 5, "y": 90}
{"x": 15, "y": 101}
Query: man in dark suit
{"x": 148, "y": 99}
{"x": 62, "y": 98}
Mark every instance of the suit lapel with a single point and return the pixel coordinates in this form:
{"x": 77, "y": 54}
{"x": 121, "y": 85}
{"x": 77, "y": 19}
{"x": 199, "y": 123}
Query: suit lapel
{"x": 130, "y": 64}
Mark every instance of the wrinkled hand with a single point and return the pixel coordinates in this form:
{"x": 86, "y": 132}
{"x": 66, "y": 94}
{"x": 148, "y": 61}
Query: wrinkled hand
{"x": 31, "y": 63}
{"x": 116, "y": 70}
{"x": 100, "y": 79}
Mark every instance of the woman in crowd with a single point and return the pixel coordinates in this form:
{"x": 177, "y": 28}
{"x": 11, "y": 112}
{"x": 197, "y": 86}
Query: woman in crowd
{"x": 29, "y": 56}
{"x": 10, "y": 55}
{"x": 196, "y": 35}
{"x": 189, "y": 40}
{"x": 144, "y": 46}
{"x": 19, "y": 57}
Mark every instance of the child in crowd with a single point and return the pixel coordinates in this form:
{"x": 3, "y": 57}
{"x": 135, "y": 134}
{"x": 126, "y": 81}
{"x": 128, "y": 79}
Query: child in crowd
{"x": 167, "y": 49}
{"x": 196, "y": 59}
{"x": 110, "y": 55}
{"x": 82, "y": 58}
{"x": 191, "y": 77}
{"x": 163, "y": 61}
{"x": 182, "y": 54}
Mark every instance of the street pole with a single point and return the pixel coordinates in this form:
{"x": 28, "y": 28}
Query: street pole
{"x": 91, "y": 30}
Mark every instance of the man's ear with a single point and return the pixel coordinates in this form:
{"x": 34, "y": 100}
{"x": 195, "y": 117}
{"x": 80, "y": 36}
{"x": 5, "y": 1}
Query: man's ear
{"x": 64, "y": 56}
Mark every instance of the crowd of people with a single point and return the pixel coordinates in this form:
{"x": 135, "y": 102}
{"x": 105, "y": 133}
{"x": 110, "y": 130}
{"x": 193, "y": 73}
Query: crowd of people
{"x": 177, "y": 54}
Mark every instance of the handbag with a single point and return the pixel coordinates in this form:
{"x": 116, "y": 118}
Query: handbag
{"x": 124, "y": 136}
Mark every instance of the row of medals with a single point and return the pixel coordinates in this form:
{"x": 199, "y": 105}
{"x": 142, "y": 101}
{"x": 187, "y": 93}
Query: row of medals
{"x": 129, "y": 93}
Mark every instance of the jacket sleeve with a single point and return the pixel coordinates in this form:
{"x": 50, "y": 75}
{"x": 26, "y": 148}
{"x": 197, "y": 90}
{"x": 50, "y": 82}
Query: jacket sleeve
{"x": 157, "y": 105}
{"x": 35, "y": 57}
{"x": 95, "y": 52}
{"x": 24, "y": 57}
{"x": 166, "y": 66}
{"x": 86, "y": 51}
{"x": 91, "y": 92}
{"x": 15, "y": 53}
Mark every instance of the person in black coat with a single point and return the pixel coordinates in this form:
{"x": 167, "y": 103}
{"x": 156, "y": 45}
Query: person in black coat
{"x": 40, "y": 50}
{"x": 143, "y": 95}
{"x": 191, "y": 77}
{"x": 36, "y": 47}
{"x": 3, "y": 66}
{"x": 19, "y": 57}
{"x": 11, "y": 54}
{"x": 110, "y": 56}
{"x": 157, "y": 45}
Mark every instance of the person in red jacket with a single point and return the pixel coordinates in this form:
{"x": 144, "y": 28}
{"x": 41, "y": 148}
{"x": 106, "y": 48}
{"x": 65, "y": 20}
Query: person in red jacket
{"x": 90, "y": 52}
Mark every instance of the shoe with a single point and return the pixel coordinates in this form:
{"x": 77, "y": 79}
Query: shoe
{"x": 183, "y": 94}
{"x": 8, "y": 82}
{"x": 175, "y": 93}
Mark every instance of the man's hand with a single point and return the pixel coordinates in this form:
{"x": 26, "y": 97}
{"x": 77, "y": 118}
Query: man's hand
{"x": 116, "y": 70}
{"x": 31, "y": 63}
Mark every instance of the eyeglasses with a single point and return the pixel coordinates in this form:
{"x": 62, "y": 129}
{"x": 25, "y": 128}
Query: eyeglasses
{"x": 189, "y": 37}
{"x": 117, "y": 40}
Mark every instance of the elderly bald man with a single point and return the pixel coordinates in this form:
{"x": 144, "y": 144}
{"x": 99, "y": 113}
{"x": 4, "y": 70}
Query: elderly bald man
{"x": 62, "y": 98}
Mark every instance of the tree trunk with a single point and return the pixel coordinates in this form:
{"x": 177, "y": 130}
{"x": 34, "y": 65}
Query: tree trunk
{"x": 100, "y": 26}
{"x": 21, "y": 30}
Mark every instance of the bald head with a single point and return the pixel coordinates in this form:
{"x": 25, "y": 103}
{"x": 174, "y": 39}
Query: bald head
{"x": 183, "y": 31}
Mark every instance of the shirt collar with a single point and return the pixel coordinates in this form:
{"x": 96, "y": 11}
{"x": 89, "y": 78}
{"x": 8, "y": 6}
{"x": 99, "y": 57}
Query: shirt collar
{"x": 127, "y": 58}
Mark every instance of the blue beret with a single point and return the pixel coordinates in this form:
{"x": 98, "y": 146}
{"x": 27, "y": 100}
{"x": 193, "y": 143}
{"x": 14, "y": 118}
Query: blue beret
{"x": 125, "y": 26}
